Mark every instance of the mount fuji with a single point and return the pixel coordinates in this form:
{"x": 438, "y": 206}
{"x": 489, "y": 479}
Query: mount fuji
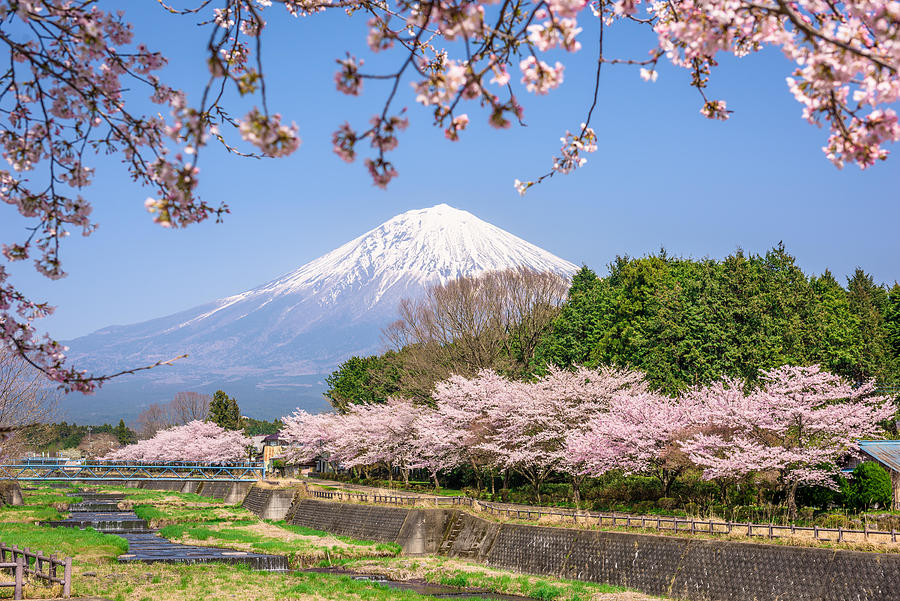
{"x": 272, "y": 346}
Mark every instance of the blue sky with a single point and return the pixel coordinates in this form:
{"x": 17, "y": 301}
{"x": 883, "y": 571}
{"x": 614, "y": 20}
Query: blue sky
{"x": 663, "y": 176}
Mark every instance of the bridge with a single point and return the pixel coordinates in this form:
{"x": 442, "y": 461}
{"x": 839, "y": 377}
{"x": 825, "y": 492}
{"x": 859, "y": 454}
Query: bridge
{"x": 199, "y": 472}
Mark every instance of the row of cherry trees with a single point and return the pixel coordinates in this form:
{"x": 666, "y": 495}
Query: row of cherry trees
{"x": 196, "y": 441}
{"x": 795, "y": 425}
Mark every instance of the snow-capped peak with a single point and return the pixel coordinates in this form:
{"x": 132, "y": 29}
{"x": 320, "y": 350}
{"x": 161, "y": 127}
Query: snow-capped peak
{"x": 413, "y": 249}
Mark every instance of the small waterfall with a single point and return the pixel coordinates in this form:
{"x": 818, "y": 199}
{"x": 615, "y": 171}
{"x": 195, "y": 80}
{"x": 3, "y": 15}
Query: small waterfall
{"x": 101, "y": 512}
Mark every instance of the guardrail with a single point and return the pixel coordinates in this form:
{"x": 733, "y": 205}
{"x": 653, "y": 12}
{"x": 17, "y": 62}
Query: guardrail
{"x": 37, "y": 564}
{"x": 388, "y": 499}
{"x": 675, "y": 525}
{"x": 232, "y": 472}
{"x": 680, "y": 525}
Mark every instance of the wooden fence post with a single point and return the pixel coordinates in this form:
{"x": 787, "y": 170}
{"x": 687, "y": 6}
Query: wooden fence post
{"x": 67, "y": 578}
{"x": 20, "y": 577}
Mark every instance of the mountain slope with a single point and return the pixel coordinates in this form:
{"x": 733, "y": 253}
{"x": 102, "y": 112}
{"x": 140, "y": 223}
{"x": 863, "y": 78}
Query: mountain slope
{"x": 307, "y": 321}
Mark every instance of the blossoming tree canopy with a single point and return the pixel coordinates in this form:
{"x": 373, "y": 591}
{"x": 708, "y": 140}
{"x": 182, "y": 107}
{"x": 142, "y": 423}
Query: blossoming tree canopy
{"x": 76, "y": 75}
{"x": 798, "y": 423}
{"x": 196, "y": 441}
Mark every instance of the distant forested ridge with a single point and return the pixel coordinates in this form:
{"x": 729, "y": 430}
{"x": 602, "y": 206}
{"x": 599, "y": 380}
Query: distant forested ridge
{"x": 685, "y": 321}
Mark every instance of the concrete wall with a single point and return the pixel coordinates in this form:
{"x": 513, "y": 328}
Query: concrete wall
{"x": 418, "y": 531}
{"x": 10, "y": 493}
{"x": 232, "y": 493}
{"x": 269, "y": 503}
{"x": 685, "y": 568}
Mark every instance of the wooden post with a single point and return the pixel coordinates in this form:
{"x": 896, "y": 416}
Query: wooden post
{"x": 67, "y": 578}
{"x": 20, "y": 577}
{"x": 895, "y": 481}
{"x": 53, "y": 566}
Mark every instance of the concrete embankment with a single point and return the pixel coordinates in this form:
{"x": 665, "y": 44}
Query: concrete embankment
{"x": 686, "y": 568}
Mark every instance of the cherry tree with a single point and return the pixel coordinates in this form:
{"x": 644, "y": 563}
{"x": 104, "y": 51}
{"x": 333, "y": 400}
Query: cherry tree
{"x": 77, "y": 81}
{"x": 196, "y": 441}
{"x": 524, "y": 426}
{"x": 308, "y": 435}
{"x": 436, "y": 447}
{"x": 637, "y": 435}
{"x": 797, "y": 424}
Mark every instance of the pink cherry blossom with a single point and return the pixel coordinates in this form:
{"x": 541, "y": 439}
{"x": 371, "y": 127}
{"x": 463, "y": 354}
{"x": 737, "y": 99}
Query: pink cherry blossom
{"x": 196, "y": 441}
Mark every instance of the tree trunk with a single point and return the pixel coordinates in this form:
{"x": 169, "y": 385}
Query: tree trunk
{"x": 576, "y": 490}
{"x": 437, "y": 485}
{"x": 792, "y": 501}
{"x": 477, "y": 475}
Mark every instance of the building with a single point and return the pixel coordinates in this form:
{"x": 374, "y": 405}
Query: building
{"x": 887, "y": 453}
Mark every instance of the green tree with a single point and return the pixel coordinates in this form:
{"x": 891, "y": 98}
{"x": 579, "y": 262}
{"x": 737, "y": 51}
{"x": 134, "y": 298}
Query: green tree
{"x": 124, "y": 434}
{"x": 686, "y": 322}
{"x": 892, "y": 330}
{"x": 258, "y": 427}
{"x": 364, "y": 380}
{"x": 868, "y": 303}
{"x": 224, "y": 411}
{"x": 869, "y": 487}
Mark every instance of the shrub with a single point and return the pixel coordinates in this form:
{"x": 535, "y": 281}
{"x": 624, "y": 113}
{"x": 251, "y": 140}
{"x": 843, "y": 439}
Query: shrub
{"x": 834, "y": 520}
{"x": 869, "y": 487}
{"x": 667, "y": 503}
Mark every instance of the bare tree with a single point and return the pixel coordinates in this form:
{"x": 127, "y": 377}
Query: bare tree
{"x": 27, "y": 397}
{"x": 189, "y": 406}
{"x": 98, "y": 445}
{"x": 493, "y": 320}
{"x": 185, "y": 407}
{"x": 151, "y": 420}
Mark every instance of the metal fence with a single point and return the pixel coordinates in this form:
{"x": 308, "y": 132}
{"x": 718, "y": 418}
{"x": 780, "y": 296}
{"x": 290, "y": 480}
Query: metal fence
{"x": 686, "y": 525}
{"x": 669, "y": 524}
{"x": 44, "y": 567}
{"x": 231, "y": 472}
{"x": 388, "y": 499}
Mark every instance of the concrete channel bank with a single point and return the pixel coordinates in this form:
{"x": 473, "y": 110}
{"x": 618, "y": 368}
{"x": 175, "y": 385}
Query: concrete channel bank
{"x": 685, "y": 568}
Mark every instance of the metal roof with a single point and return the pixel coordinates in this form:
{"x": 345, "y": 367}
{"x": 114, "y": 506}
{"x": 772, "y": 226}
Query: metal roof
{"x": 886, "y": 452}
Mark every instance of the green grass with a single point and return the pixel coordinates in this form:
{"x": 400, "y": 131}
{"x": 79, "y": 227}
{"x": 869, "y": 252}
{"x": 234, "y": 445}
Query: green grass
{"x": 346, "y": 539}
{"x": 27, "y": 513}
{"x": 163, "y": 515}
{"x": 161, "y": 582}
{"x": 70, "y": 542}
{"x": 528, "y": 586}
{"x": 140, "y": 494}
{"x": 279, "y": 540}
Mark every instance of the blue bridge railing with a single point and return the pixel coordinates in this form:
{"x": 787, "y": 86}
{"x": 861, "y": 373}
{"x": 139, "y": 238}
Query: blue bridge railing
{"x": 230, "y": 472}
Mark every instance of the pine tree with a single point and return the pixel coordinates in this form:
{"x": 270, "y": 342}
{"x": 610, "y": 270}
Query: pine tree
{"x": 124, "y": 434}
{"x": 224, "y": 411}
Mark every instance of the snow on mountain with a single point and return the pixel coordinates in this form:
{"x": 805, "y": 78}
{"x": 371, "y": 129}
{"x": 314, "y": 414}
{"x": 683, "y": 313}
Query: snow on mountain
{"x": 309, "y": 320}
